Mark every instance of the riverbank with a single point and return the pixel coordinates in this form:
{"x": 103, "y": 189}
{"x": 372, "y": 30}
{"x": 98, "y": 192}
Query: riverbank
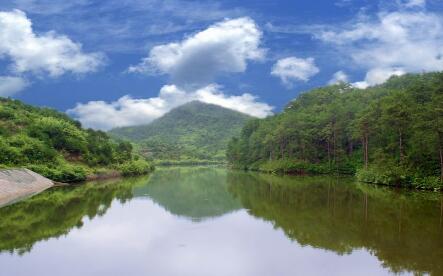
{"x": 16, "y": 184}
{"x": 394, "y": 176}
{"x": 75, "y": 173}
{"x": 189, "y": 162}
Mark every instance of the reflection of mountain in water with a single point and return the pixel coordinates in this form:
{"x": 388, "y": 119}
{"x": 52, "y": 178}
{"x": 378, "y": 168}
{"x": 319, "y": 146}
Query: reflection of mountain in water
{"x": 196, "y": 193}
{"x": 56, "y": 211}
{"x": 403, "y": 229}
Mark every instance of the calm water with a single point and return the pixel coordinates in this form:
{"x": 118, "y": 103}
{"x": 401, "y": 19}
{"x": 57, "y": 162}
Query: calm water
{"x": 211, "y": 221}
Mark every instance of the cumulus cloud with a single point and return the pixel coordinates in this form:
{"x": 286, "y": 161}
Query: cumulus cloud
{"x": 391, "y": 44}
{"x": 127, "y": 111}
{"x": 224, "y": 47}
{"x": 41, "y": 53}
{"x": 245, "y": 103}
{"x": 10, "y": 85}
{"x": 377, "y": 76}
{"x": 192, "y": 63}
{"x": 339, "y": 77}
{"x": 293, "y": 69}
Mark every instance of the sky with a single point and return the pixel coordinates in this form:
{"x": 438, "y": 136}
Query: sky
{"x": 118, "y": 63}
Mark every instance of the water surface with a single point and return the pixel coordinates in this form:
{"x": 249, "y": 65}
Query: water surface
{"x": 212, "y": 221}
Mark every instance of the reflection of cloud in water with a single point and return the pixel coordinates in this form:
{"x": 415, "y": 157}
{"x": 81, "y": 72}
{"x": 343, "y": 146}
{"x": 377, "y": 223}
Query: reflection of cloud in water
{"x": 140, "y": 238}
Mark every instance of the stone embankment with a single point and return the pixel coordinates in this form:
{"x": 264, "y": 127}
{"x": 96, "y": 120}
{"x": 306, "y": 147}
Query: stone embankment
{"x": 19, "y": 183}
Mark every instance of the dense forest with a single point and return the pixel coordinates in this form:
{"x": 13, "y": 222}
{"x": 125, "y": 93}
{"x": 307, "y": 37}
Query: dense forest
{"x": 192, "y": 133}
{"x": 388, "y": 134}
{"x": 52, "y": 144}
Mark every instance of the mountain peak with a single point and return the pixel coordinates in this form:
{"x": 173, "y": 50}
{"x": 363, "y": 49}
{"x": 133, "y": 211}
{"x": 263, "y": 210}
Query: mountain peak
{"x": 194, "y": 130}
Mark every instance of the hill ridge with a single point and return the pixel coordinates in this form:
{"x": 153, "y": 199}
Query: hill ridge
{"x": 195, "y": 130}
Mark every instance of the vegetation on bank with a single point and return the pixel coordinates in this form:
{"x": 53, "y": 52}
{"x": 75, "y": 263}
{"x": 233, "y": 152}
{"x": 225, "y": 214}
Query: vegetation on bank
{"x": 52, "y": 144}
{"x": 389, "y": 134}
{"x": 194, "y": 133}
{"x": 188, "y": 162}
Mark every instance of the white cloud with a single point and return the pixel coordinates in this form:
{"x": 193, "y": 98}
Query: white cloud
{"x": 224, "y": 47}
{"x": 11, "y": 85}
{"x": 127, "y": 111}
{"x": 338, "y": 77}
{"x": 41, "y": 53}
{"x": 377, "y": 76}
{"x": 246, "y": 103}
{"x": 392, "y": 44}
{"x": 292, "y": 69}
{"x": 413, "y": 3}
{"x": 47, "y": 7}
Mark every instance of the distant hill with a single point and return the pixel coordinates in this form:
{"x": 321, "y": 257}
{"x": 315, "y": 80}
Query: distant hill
{"x": 194, "y": 130}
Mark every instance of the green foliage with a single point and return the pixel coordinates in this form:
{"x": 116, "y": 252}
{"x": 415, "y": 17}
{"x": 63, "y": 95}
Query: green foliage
{"x": 188, "y": 162}
{"x": 287, "y": 166}
{"x": 194, "y": 131}
{"x": 59, "y": 134}
{"x": 387, "y": 175}
{"x": 391, "y": 133}
{"x": 396, "y": 175}
{"x": 63, "y": 172}
{"x": 52, "y": 144}
{"x": 135, "y": 167}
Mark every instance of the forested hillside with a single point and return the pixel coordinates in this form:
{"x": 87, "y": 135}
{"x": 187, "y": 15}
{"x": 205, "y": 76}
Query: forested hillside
{"x": 194, "y": 131}
{"x": 390, "y": 134}
{"x": 52, "y": 144}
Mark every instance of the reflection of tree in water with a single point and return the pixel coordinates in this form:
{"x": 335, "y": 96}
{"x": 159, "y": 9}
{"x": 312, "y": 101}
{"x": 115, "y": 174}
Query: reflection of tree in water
{"x": 56, "y": 211}
{"x": 196, "y": 193}
{"x": 401, "y": 228}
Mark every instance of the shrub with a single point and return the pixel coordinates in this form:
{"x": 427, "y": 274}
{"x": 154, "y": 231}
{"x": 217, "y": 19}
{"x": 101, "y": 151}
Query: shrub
{"x": 9, "y": 155}
{"x": 393, "y": 175}
{"x": 33, "y": 150}
{"x": 292, "y": 167}
{"x": 428, "y": 183}
{"x": 136, "y": 167}
{"x": 63, "y": 173}
{"x": 60, "y": 134}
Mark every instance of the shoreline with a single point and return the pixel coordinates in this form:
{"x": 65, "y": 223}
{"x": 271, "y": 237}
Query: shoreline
{"x": 302, "y": 174}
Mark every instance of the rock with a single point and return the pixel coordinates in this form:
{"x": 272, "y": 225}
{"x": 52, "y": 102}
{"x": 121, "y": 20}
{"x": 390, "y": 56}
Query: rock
{"x": 16, "y": 184}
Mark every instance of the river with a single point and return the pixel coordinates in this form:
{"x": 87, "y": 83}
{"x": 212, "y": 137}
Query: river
{"x": 213, "y": 221}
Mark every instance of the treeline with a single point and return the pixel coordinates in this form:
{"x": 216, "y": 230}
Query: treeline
{"x": 389, "y": 134}
{"x": 52, "y": 144}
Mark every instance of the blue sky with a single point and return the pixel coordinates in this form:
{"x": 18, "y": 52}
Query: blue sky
{"x": 125, "y": 62}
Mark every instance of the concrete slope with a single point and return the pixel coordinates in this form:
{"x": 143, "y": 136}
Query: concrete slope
{"x": 19, "y": 183}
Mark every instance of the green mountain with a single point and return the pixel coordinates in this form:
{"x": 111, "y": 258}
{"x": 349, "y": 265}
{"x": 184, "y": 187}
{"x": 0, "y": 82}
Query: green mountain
{"x": 52, "y": 144}
{"x": 390, "y": 133}
{"x": 192, "y": 131}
